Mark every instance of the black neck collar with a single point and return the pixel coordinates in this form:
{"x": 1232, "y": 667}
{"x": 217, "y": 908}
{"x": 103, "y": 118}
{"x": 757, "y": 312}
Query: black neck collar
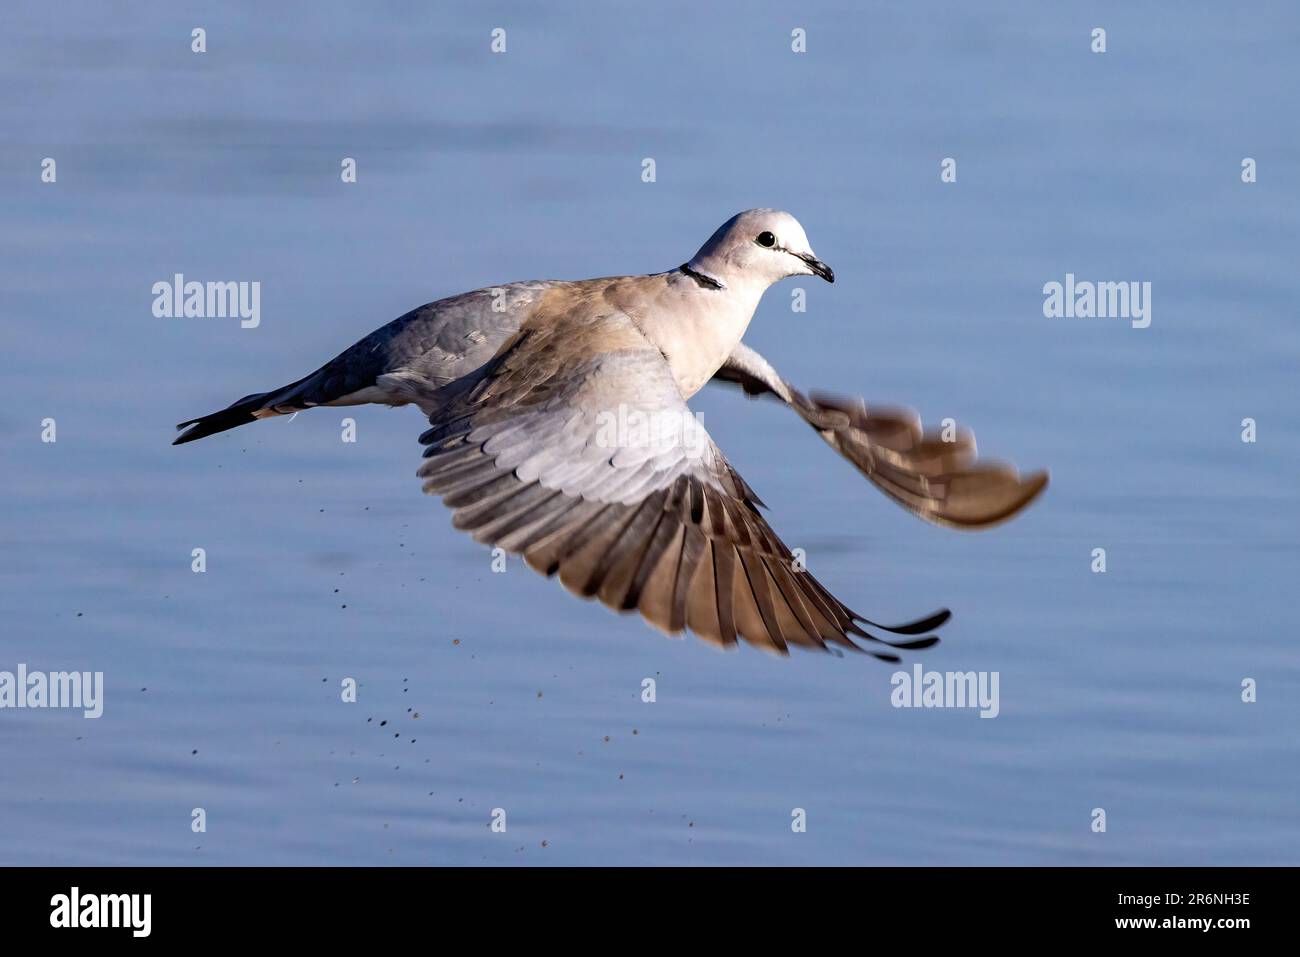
{"x": 705, "y": 282}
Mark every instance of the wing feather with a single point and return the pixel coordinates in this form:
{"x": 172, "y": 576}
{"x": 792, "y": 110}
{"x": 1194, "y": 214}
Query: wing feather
{"x": 654, "y": 520}
{"x": 933, "y": 474}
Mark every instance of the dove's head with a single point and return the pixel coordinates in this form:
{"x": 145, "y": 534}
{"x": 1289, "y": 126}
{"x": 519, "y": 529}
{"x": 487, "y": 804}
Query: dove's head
{"x": 758, "y": 246}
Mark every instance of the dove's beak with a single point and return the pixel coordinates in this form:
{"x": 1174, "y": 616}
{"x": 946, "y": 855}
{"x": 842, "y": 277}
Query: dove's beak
{"x": 818, "y": 267}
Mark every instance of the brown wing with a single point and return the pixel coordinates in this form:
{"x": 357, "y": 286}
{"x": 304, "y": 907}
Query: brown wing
{"x": 594, "y": 470}
{"x": 931, "y": 473}
{"x": 937, "y": 476}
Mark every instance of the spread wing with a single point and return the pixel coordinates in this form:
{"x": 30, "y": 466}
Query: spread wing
{"x": 934, "y": 473}
{"x": 578, "y": 452}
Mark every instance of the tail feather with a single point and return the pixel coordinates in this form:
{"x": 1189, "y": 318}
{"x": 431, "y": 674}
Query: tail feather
{"x": 240, "y": 413}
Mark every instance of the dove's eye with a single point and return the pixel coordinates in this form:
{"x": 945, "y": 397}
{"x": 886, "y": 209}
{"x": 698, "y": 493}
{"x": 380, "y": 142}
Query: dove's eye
{"x": 765, "y": 239}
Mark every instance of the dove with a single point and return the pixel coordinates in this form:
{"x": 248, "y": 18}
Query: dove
{"x": 559, "y": 430}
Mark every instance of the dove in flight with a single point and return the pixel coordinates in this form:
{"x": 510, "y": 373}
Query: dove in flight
{"x": 559, "y": 431}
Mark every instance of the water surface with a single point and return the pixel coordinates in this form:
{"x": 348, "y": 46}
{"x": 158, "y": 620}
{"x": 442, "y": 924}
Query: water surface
{"x": 325, "y": 561}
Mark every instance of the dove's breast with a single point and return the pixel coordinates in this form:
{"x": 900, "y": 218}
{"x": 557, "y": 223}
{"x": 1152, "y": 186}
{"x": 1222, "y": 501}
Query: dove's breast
{"x": 695, "y": 327}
